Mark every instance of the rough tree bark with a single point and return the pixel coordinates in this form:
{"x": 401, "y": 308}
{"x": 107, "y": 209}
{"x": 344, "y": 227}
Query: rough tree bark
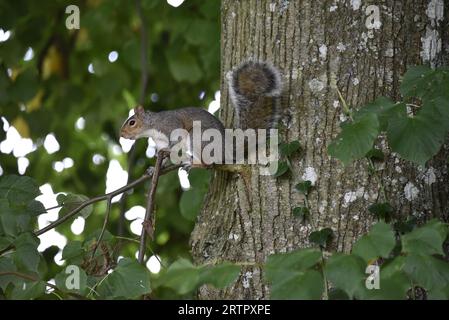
{"x": 320, "y": 46}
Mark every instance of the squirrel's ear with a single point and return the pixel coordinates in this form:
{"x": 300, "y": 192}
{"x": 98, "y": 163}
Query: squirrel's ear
{"x": 139, "y": 110}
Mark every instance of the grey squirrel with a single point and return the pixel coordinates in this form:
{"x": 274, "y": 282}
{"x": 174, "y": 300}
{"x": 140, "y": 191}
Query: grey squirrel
{"x": 254, "y": 88}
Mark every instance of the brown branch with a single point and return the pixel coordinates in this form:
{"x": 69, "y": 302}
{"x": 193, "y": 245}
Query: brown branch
{"x": 148, "y": 225}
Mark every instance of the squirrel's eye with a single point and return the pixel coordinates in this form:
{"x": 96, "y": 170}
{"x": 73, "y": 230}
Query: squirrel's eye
{"x": 132, "y": 122}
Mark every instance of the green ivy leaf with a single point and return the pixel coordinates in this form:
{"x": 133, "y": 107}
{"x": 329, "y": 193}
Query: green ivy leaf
{"x": 18, "y": 190}
{"x": 303, "y": 285}
{"x": 416, "y": 138}
{"x": 407, "y": 226}
{"x": 382, "y": 210}
{"x": 66, "y": 281}
{"x": 220, "y": 275}
{"x": 427, "y": 271}
{"x": 280, "y": 265}
{"x": 26, "y": 290}
{"x": 346, "y": 272}
{"x": 375, "y": 155}
{"x": 26, "y": 256}
{"x": 190, "y": 203}
{"x": 73, "y": 252}
{"x": 25, "y": 86}
{"x": 379, "y": 242}
{"x": 128, "y": 280}
{"x": 427, "y": 239}
{"x": 7, "y": 265}
{"x": 301, "y": 212}
{"x": 282, "y": 169}
{"x": 72, "y": 201}
{"x": 288, "y": 149}
{"x": 304, "y": 187}
{"x": 393, "y": 283}
{"x": 424, "y": 82}
{"x": 355, "y": 139}
{"x": 381, "y": 107}
{"x": 321, "y": 237}
{"x": 438, "y": 293}
{"x": 181, "y": 276}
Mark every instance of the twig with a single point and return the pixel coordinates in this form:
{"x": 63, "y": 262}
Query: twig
{"x": 150, "y": 207}
{"x": 103, "y": 229}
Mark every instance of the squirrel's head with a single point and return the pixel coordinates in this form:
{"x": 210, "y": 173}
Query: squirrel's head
{"x": 134, "y": 125}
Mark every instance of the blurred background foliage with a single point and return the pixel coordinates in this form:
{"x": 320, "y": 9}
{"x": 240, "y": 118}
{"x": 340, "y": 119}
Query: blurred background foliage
{"x": 52, "y": 78}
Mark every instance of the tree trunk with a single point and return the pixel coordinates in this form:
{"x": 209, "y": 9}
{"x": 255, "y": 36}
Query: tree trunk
{"x": 320, "y": 46}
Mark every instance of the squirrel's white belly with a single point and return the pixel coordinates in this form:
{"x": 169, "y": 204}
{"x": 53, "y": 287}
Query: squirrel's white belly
{"x": 160, "y": 139}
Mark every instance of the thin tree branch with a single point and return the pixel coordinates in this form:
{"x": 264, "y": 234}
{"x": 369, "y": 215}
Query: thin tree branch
{"x": 148, "y": 225}
{"x": 103, "y": 229}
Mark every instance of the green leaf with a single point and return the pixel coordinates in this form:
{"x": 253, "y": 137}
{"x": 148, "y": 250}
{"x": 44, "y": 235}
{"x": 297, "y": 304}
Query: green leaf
{"x": 379, "y": 242}
{"x": 424, "y": 82}
{"x": 18, "y": 190}
{"x": 416, "y": 138}
{"x": 7, "y": 265}
{"x": 427, "y": 271}
{"x": 190, "y": 203}
{"x": 303, "y": 285}
{"x": 392, "y": 287}
{"x": 355, "y": 139}
{"x": 25, "y": 86}
{"x": 382, "y": 210}
{"x": 288, "y": 149}
{"x": 72, "y": 281}
{"x": 304, "y": 187}
{"x": 199, "y": 178}
{"x": 26, "y": 255}
{"x": 128, "y": 280}
{"x": 346, "y": 272}
{"x": 381, "y": 107}
{"x": 26, "y": 290}
{"x": 321, "y": 237}
{"x": 282, "y": 169}
{"x": 375, "y": 155}
{"x": 301, "y": 212}
{"x": 280, "y": 265}
{"x": 427, "y": 239}
{"x": 220, "y": 276}
{"x": 73, "y": 252}
{"x": 438, "y": 293}
{"x": 72, "y": 201}
{"x": 181, "y": 276}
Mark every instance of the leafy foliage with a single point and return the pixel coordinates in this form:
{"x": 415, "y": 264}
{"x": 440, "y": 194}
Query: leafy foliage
{"x": 55, "y": 91}
{"x": 415, "y": 136}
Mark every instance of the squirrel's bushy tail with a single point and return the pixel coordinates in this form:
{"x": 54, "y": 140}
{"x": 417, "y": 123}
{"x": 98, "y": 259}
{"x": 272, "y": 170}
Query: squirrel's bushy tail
{"x": 255, "y": 89}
